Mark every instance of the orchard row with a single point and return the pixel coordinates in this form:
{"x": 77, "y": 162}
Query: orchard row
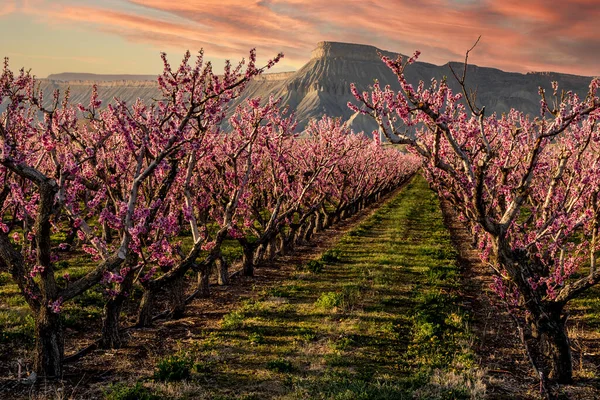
{"x": 125, "y": 184}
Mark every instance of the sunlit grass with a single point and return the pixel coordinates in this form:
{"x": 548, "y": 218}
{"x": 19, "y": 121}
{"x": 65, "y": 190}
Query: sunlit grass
{"x": 380, "y": 320}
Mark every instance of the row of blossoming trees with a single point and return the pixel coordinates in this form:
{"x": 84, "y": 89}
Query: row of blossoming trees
{"x": 526, "y": 186}
{"x": 125, "y": 182}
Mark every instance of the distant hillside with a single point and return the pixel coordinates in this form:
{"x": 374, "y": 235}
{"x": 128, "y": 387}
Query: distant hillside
{"x": 76, "y": 76}
{"x": 322, "y": 85}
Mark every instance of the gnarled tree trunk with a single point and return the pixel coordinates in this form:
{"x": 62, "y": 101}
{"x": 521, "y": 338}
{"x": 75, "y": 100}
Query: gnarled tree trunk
{"x": 546, "y": 319}
{"x": 144, "y": 317}
{"x": 222, "y": 271}
{"x": 49, "y": 344}
{"x": 203, "y": 282}
{"x": 111, "y": 337}
{"x": 247, "y": 257}
{"x": 549, "y": 332}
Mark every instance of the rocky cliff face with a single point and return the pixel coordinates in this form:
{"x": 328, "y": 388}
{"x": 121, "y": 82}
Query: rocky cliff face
{"x": 322, "y": 85}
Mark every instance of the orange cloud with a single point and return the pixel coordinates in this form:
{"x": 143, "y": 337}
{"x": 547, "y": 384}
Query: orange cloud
{"x": 518, "y": 35}
{"x": 8, "y": 7}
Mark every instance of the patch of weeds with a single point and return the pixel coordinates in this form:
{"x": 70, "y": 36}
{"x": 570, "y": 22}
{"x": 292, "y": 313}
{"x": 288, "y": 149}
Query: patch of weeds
{"x": 91, "y": 298}
{"x": 343, "y": 343}
{"x": 280, "y": 365}
{"x": 306, "y": 335}
{"x": 232, "y": 321}
{"x": 438, "y": 253}
{"x": 16, "y": 301}
{"x": 360, "y": 231}
{"x": 204, "y": 367}
{"x": 314, "y": 266}
{"x": 173, "y": 368}
{"x": 80, "y": 317}
{"x": 332, "y": 256}
{"x": 5, "y": 278}
{"x": 330, "y": 300}
{"x": 338, "y": 385}
{"x": 122, "y": 391}
{"x": 249, "y": 396}
{"x": 336, "y": 359}
{"x": 343, "y": 299}
{"x": 450, "y": 385}
{"x": 256, "y": 338}
{"x": 17, "y": 327}
{"x": 283, "y": 291}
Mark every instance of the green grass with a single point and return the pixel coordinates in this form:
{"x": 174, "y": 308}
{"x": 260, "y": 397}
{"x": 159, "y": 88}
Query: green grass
{"x": 380, "y": 320}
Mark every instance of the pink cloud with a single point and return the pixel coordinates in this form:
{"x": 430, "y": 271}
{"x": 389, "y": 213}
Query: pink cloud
{"x": 8, "y": 7}
{"x": 518, "y": 35}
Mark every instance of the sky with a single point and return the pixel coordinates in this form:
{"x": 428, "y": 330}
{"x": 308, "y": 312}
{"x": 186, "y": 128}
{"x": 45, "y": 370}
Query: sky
{"x": 127, "y": 36}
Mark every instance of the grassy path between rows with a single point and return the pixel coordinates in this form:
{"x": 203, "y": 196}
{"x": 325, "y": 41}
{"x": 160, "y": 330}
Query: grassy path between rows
{"x": 376, "y": 317}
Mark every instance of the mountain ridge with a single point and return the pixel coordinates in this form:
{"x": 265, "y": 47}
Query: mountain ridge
{"x": 322, "y": 85}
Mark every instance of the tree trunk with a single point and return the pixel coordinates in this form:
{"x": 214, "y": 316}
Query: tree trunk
{"x": 49, "y": 346}
{"x": 310, "y": 229}
{"x": 259, "y": 254}
{"x": 289, "y": 239}
{"x": 176, "y": 293}
{"x": 222, "y": 271}
{"x": 272, "y": 248}
{"x": 281, "y": 250}
{"x": 144, "y": 317}
{"x": 327, "y": 220}
{"x": 248, "y": 260}
{"x": 320, "y": 221}
{"x": 111, "y": 338}
{"x": 546, "y": 319}
{"x": 550, "y": 333}
{"x": 203, "y": 282}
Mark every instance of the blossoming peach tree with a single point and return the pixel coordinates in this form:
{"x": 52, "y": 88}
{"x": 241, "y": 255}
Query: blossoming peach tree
{"x": 100, "y": 175}
{"x": 526, "y": 186}
{"x": 123, "y": 184}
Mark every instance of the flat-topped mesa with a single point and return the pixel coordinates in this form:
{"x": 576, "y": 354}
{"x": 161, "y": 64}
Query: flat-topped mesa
{"x": 275, "y": 76}
{"x": 349, "y": 51}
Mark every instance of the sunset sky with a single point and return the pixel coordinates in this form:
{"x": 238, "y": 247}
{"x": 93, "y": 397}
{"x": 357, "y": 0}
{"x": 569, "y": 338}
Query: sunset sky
{"x": 126, "y": 36}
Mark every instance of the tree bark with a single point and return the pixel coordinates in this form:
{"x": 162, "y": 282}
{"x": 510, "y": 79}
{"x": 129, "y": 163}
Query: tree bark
{"x": 550, "y": 334}
{"x": 49, "y": 345}
{"x": 259, "y": 254}
{"x": 144, "y": 317}
{"x": 248, "y": 259}
{"x": 319, "y": 222}
{"x": 203, "y": 283}
{"x": 281, "y": 250}
{"x": 111, "y": 339}
{"x": 272, "y": 248}
{"x": 176, "y": 293}
{"x": 106, "y": 232}
{"x": 310, "y": 229}
{"x": 546, "y": 318}
{"x": 222, "y": 271}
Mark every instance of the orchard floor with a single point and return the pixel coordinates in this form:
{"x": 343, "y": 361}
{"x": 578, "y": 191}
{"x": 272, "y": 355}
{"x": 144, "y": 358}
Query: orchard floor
{"x": 391, "y": 311}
